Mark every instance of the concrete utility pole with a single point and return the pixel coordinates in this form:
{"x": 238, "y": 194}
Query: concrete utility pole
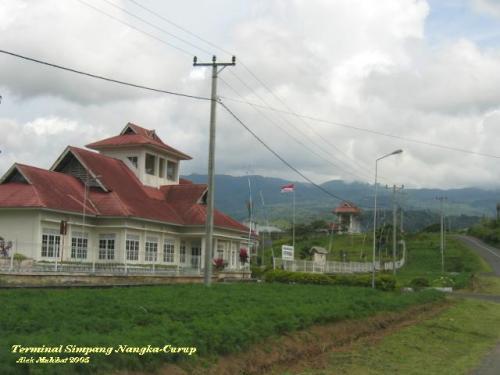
{"x": 394, "y": 225}
{"x": 375, "y": 212}
{"x": 442, "y": 199}
{"x": 209, "y": 225}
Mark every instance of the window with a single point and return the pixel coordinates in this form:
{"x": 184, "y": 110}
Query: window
{"x": 169, "y": 251}
{"x": 134, "y": 160}
{"x": 107, "y": 246}
{"x": 51, "y": 241}
{"x": 195, "y": 255}
{"x": 182, "y": 252}
{"x": 151, "y": 254}
{"x": 161, "y": 166}
{"x": 220, "y": 248}
{"x": 234, "y": 249}
{"x": 150, "y": 164}
{"x": 132, "y": 247}
{"x": 79, "y": 245}
{"x": 171, "y": 170}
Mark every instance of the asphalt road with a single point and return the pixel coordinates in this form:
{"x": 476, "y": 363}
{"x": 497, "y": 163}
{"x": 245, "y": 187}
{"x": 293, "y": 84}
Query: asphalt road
{"x": 489, "y": 253}
{"x": 490, "y": 365}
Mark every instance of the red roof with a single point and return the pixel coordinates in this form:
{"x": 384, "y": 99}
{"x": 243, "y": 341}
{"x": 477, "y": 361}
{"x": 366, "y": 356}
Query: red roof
{"x": 125, "y": 195}
{"x": 347, "y": 208}
{"x": 134, "y": 135}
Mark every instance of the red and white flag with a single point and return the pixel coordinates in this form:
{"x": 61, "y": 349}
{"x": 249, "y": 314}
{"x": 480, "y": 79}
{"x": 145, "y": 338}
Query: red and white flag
{"x": 288, "y": 188}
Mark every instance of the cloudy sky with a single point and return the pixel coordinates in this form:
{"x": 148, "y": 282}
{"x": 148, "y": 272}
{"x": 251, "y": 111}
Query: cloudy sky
{"x": 416, "y": 69}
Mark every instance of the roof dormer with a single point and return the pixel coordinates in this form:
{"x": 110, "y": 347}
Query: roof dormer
{"x": 154, "y": 162}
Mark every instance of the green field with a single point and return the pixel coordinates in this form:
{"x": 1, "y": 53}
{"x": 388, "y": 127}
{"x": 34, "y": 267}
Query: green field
{"x": 225, "y": 318}
{"x": 424, "y": 260}
{"x": 452, "y": 343}
{"x": 423, "y": 256}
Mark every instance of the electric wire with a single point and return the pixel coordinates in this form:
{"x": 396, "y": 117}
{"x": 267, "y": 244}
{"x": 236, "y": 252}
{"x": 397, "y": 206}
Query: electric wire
{"x": 72, "y": 70}
{"x": 135, "y": 28}
{"x": 283, "y": 160}
{"x": 298, "y": 141}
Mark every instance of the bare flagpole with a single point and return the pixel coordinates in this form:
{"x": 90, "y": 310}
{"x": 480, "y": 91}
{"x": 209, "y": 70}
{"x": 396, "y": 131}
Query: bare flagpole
{"x": 293, "y": 220}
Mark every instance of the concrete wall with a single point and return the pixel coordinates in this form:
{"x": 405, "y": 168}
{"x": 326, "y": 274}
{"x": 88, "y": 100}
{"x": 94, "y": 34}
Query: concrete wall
{"x": 140, "y": 171}
{"x": 22, "y": 228}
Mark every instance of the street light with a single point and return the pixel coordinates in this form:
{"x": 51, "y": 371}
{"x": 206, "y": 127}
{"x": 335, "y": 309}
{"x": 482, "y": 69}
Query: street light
{"x": 399, "y": 151}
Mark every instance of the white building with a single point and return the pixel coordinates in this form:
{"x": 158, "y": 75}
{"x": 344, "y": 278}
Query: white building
{"x": 124, "y": 204}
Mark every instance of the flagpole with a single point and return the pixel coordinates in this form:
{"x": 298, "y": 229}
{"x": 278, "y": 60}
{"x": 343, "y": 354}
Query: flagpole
{"x": 293, "y": 219}
{"x": 250, "y": 215}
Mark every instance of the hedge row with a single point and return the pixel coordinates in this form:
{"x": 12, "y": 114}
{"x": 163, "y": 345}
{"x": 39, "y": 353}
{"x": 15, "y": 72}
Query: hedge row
{"x": 382, "y": 281}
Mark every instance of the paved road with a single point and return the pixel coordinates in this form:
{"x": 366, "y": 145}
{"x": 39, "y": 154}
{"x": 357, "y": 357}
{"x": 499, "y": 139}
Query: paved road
{"x": 490, "y": 365}
{"x": 489, "y": 253}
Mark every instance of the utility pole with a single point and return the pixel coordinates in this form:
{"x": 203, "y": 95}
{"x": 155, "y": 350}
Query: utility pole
{"x": 395, "y": 189}
{"x": 209, "y": 225}
{"x": 442, "y": 199}
{"x": 394, "y": 225}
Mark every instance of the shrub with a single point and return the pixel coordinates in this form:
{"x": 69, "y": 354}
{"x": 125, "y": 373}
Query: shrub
{"x": 419, "y": 283}
{"x": 443, "y": 281}
{"x": 382, "y": 281}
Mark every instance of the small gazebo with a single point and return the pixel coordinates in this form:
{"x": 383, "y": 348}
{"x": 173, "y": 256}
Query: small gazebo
{"x": 348, "y": 217}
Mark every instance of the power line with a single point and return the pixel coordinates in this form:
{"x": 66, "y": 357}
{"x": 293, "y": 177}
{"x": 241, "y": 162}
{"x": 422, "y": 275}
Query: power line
{"x": 296, "y": 128}
{"x": 135, "y": 28}
{"x": 102, "y": 77}
{"x": 180, "y": 27}
{"x": 261, "y": 141}
{"x": 358, "y": 128}
{"x": 203, "y": 50}
{"x": 294, "y": 138}
{"x": 289, "y": 111}
{"x": 157, "y": 27}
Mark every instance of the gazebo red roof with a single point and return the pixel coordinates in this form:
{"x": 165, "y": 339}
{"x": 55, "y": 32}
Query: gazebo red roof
{"x": 347, "y": 208}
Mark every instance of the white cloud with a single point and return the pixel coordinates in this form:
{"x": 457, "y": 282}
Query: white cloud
{"x": 358, "y": 62}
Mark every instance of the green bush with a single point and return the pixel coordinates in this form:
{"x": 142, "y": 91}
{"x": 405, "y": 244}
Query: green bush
{"x": 419, "y": 283}
{"x": 382, "y": 281}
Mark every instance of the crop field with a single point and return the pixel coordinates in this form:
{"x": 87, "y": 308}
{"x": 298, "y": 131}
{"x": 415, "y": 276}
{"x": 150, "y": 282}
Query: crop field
{"x": 222, "y": 319}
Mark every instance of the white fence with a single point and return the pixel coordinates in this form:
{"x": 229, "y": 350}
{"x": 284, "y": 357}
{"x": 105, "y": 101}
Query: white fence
{"x": 337, "y": 267}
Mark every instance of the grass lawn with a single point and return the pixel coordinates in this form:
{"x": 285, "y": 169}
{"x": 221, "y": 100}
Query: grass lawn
{"x": 423, "y": 255}
{"x": 225, "y": 318}
{"x": 356, "y": 247}
{"x": 424, "y": 260}
{"x": 452, "y": 343}
{"x": 484, "y": 284}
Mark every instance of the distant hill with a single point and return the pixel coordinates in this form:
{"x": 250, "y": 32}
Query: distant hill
{"x": 232, "y": 193}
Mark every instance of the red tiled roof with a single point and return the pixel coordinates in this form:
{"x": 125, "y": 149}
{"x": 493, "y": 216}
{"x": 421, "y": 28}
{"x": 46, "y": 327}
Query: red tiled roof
{"x": 126, "y": 196}
{"x": 140, "y": 138}
{"x": 48, "y": 189}
{"x": 346, "y": 207}
{"x": 184, "y": 181}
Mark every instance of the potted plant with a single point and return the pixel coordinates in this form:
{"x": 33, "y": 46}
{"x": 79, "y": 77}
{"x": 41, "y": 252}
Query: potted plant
{"x": 219, "y": 264}
{"x": 243, "y": 255}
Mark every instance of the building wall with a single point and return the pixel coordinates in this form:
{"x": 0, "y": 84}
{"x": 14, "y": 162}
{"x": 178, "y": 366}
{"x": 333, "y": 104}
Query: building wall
{"x": 29, "y": 227}
{"x": 140, "y": 171}
{"x": 22, "y": 228}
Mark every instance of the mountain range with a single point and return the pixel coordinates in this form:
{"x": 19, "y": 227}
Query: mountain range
{"x": 232, "y": 194}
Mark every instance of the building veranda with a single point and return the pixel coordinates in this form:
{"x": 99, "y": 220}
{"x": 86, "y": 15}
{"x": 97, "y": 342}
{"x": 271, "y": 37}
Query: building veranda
{"x": 118, "y": 204}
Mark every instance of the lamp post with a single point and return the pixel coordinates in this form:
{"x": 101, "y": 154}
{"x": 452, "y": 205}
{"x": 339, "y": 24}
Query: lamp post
{"x": 375, "y": 212}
